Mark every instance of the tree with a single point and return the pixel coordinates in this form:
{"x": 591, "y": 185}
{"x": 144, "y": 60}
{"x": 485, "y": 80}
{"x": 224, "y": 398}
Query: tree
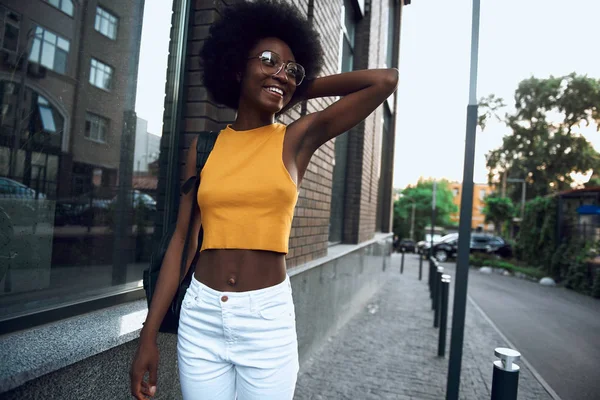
{"x": 421, "y": 196}
{"x": 545, "y": 146}
{"x": 498, "y": 210}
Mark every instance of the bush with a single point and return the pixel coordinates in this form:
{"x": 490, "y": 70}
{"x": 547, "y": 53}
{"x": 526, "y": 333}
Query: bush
{"x": 596, "y": 286}
{"x": 480, "y": 260}
{"x": 536, "y": 243}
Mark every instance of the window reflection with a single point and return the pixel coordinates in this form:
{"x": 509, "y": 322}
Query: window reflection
{"x": 78, "y": 166}
{"x": 106, "y": 23}
{"x": 65, "y": 6}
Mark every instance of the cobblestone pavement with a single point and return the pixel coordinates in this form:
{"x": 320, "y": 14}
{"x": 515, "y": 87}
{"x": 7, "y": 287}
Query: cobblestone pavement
{"x": 389, "y": 350}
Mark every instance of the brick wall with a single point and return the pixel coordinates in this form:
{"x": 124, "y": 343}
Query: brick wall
{"x": 310, "y": 229}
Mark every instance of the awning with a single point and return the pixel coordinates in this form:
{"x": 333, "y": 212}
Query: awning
{"x": 588, "y": 209}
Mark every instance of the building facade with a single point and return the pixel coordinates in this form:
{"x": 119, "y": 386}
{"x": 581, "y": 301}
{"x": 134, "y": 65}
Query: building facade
{"x": 480, "y": 192}
{"x": 78, "y": 235}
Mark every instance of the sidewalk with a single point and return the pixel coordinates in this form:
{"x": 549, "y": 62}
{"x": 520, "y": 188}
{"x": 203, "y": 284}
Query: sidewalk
{"x": 389, "y": 350}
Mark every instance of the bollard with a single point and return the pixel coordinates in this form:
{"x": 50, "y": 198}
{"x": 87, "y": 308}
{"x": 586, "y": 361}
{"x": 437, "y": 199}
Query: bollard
{"x": 431, "y": 276}
{"x": 402, "y": 263}
{"x": 436, "y": 295}
{"x": 420, "y": 267}
{"x": 443, "y": 315}
{"x": 505, "y": 381}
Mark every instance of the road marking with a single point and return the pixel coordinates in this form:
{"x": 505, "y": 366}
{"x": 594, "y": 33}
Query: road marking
{"x": 536, "y": 374}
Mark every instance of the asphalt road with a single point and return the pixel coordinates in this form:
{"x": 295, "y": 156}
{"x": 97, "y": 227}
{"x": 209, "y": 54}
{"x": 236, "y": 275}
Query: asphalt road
{"x": 556, "y": 330}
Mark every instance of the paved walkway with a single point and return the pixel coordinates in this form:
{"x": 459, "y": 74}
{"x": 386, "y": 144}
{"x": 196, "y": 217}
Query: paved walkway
{"x": 389, "y": 350}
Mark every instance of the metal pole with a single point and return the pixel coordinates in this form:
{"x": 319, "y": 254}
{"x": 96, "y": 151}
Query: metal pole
{"x": 505, "y": 380}
{"x": 443, "y": 316}
{"x": 437, "y": 296}
{"x": 420, "y": 266}
{"x": 402, "y": 263}
{"x": 431, "y": 267}
{"x": 433, "y": 204}
{"x": 12, "y": 167}
{"x": 523, "y": 193}
{"x": 412, "y": 222}
{"x": 466, "y": 211}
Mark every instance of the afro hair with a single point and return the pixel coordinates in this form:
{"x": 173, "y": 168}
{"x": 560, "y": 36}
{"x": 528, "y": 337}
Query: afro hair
{"x": 225, "y": 51}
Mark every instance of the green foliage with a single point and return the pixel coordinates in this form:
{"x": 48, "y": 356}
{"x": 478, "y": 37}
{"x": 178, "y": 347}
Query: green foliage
{"x": 577, "y": 271}
{"x": 480, "y": 260}
{"x": 596, "y": 285}
{"x": 489, "y": 107}
{"x": 537, "y": 236}
{"x": 541, "y": 149}
{"x": 566, "y": 262}
{"x": 498, "y": 210}
{"x": 421, "y": 196}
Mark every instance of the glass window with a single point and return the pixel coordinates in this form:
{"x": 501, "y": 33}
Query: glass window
{"x": 47, "y": 119}
{"x": 65, "y": 6}
{"x": 49, "y": 50}
{"x": 96, "y": 128}
{"x": 100, "y": 74}
{"x": 390, "y": 62}
{"x": 338, "y": 195}
{"x": 106, "y": 23}
{"x": 482, "y": 194}
{"x": 83, "y": 219}
{"x": 10, "y": 23}
{"x": 455, "y": 191}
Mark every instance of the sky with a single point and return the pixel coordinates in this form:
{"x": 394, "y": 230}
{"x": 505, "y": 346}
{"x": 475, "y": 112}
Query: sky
{"x": 152, "y": 71}
{"x": 518, "y": 39}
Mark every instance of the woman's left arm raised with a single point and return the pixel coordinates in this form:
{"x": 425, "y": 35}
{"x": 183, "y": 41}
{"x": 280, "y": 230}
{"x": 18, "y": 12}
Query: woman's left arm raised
{"x": 361, "y": 91}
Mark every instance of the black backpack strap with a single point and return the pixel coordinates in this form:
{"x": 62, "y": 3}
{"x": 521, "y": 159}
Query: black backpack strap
{"x": 204, "y": 145}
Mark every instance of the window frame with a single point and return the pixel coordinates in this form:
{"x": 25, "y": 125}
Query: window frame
{"x": 112, "y": 74}
{"x": 108, "y": 17}
{"x": 99, "y": 118}
{"x": 6, "y": 21}
{"x": 341, "y": 142}
{"x": 42, "y": 43}
{"x": 174, "y": 97}
{"x": 60, "y": 6}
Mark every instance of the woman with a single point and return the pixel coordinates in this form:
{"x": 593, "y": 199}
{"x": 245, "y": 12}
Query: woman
{"x": 237, "y": 331}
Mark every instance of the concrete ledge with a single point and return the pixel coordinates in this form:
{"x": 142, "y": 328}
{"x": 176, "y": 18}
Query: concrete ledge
{"x": 29, "y": 354}
{"x": 325, "y": 299}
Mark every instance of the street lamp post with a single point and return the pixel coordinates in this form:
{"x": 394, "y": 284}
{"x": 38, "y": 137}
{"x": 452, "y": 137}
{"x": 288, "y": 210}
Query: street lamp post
{"x": 523, "y": 193}
{"x": 433, "y": 209}
{"x": 412, "y": 221}
{"x": 466, "y": 214}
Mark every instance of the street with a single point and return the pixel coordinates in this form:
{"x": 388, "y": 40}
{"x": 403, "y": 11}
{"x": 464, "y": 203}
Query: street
{"x": 556, "y": 330}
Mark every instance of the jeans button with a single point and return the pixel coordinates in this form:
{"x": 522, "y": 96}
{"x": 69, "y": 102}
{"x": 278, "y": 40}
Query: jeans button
{"x": 224, "y": 299}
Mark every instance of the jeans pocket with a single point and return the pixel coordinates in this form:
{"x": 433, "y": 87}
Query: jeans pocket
{"x": 188, "y": 299}
{"x": 276, "y": 307}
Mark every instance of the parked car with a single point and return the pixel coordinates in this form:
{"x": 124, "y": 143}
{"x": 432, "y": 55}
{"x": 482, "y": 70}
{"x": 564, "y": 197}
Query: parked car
{"x": 406, "y": 246}
{"x": 423, "y": 246}
{"x": 21, "y": 203}
{"x": 480, "y": 243}
{"x": 86, "y": 209}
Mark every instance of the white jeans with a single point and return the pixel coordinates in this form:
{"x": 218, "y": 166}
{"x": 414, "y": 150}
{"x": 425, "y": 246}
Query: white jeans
{"x": 240, "y": 343}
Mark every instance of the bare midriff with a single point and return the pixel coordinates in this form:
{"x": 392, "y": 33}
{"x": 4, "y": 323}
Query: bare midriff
{"x": 236, "y": 270}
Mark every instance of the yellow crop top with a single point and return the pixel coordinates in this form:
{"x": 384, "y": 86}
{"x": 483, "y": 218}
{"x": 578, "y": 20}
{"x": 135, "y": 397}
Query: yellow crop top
{"x": 246, "y": 194}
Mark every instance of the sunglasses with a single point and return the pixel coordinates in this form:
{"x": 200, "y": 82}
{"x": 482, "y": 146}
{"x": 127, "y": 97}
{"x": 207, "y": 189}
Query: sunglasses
{"x": 271, "y": 64}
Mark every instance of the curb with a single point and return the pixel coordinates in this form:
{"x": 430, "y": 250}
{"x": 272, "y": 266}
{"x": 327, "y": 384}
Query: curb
{"x": 536, "y": 374}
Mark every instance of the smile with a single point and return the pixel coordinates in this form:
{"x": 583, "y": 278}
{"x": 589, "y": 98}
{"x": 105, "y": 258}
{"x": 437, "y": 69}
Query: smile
{"x": 274, "y": 91}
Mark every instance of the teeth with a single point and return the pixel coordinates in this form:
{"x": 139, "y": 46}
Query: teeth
{"x": 276, "y": 90}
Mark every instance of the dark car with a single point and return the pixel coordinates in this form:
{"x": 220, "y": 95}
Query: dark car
{"x": 21, "y": 203}
{"x": 406, "y": 246}
{"x": 480, "y": 243}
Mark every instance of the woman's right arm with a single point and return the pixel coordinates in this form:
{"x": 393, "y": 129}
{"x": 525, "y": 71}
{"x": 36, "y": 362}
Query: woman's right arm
{"x": 146, "y": 358}
{"x": 168, "y": 279}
